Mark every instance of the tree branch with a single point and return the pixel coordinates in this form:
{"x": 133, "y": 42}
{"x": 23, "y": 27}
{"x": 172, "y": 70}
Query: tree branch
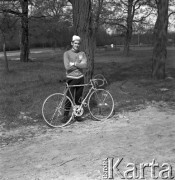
{"x": 71, "y": 1}
{"x": 144, "y": 17}
{"x": 11, "y": 12}
{"x": 123, "y": 2}
{"x": 114, "y": 23}
{"x": 171, "y": 14}
{"x": 100, "y": 4}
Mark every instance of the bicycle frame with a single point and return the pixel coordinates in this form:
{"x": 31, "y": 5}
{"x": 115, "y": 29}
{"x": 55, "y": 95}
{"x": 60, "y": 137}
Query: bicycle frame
{"x": 67, "y": 88}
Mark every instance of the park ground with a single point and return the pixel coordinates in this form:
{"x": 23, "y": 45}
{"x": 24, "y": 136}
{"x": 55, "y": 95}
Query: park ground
{"x": 142, "y": 128}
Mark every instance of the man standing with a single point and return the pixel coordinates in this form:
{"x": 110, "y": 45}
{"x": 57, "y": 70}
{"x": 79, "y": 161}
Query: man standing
{"x": 74, "y": 61}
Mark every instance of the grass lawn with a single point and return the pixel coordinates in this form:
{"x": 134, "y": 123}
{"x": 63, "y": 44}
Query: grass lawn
{"x": 28, "y": 84}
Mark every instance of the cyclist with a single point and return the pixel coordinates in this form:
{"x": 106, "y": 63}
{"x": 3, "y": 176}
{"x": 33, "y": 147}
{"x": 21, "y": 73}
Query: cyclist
{"x": 74, "y": 62}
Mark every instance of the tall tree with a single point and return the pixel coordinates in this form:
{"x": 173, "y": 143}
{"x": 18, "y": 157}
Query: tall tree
{"x": 129, "y": 24}
{"x": 123, "y": 14}
{"x": 160, "y": 40}
{"x": 7, "y": 31}
{"x": 86, "y": 26}
{"x": 19, "y": 9}
{"x": 4, "y": 24}
{"x": 135, "y": 14}
{"x": 24, "y": 39}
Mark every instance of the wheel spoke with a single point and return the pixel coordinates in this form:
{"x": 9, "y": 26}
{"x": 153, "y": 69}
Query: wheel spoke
{"x": 54, "y": 108}
{"x": 101, "y": 104}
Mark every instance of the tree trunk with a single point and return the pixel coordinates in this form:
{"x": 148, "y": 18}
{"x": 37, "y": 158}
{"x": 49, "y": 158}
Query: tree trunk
{"x": 160, "y": 41}
{"x": 5, "y": 54}
{"x": 24, "y": 43}
{"x": 127, "y": 41}
{"x": 82, "y": 19}
{"x": 129, "y": 30}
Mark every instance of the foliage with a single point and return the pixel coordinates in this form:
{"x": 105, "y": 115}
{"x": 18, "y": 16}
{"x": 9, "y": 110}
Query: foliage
{"x": 43, "y": 35}
{"x": 115, "y": 14}
{"x": 50, "y": 22}
{"x": 8, "y": 25}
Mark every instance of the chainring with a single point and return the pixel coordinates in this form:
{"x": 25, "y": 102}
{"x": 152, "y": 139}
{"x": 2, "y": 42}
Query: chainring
{"x": 78, "y": 110}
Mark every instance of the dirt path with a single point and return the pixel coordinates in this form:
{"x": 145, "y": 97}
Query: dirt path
{"x": 77, "y": 151}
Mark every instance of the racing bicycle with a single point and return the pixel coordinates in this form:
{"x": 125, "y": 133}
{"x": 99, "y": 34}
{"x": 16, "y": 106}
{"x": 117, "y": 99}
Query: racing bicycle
{"x": 99, "y": 102}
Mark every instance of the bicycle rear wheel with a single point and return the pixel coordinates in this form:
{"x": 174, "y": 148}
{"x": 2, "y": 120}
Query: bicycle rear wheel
{"x": 100, "y": 104}
{"x": 53, "y": 110}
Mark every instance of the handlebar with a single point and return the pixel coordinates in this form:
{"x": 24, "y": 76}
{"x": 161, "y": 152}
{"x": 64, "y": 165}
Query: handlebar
{"x": 97, "y": 81}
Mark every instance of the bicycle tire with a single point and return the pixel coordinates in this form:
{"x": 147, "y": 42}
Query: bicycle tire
{"x": 53, "y": 109}
{"x": 101, "y": 104}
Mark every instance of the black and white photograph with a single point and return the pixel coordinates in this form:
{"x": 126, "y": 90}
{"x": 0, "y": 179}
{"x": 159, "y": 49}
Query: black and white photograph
{"x": 87, "y": 89}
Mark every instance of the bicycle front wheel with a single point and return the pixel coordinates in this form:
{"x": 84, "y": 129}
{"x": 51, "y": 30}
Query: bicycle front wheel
{"x": 100, "y": 104}
{"x": 54, "y": 109}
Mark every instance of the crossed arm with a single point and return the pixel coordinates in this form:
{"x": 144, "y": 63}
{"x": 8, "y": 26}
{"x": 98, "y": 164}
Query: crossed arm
{"x": 77, "y": 64}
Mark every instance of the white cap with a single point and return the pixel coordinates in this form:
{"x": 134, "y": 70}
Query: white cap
{"x": 76, "y": 38}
